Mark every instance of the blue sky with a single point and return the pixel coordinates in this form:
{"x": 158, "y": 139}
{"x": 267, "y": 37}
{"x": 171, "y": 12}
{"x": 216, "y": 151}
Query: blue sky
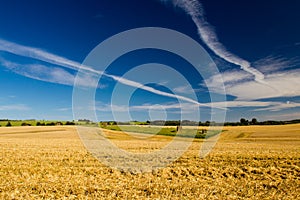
{"x": 255, "y": 46}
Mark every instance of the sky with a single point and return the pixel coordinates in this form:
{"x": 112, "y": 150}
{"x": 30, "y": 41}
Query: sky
{"x": 249, "y": 62}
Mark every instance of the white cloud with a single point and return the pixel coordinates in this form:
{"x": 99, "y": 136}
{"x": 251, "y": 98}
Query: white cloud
{"x": 236, "y": 104}
{"x": 206, "y": 32}
{"x": 272, "y": 64}
{"x": 250, "y": 85}
{"x": 185, "y": 89}
{"x": 280, "y": 106}
{"x": 47, "y": 73}
{"x": 14, "y": 107}
{"x": 282, "y": 116}
{"x": 54, "y": 76}
{"x": 228, "y": 78}
{"x": 145, "y": 107}
{"x": 64, "y": 109}
{"x": 259, "y": 105}
{"x": 153, "y": 90}
{"x": 240, "y": 85}
{"x": 164, "y": 106}
{"x": 283, "y": 84}
{"x": 42, "y": 55}
{"x": 110, "y": 107}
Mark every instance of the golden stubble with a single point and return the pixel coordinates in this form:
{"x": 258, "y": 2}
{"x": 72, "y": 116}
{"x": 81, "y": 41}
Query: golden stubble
{"x": 253, "y": 162}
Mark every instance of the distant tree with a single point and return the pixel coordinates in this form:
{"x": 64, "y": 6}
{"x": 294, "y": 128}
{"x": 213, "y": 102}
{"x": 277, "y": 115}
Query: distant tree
{"x": 172, "y": 123}
{"x": 243, "y": 121}
{"x": 254, "y": 121}
{"x": 207, "y": 123}
{"x": 70, "y": 123}
{"x": 40, "y": 124}
{"x": 25, "y": 124}
{"x": 84, "y": 120}
{"x": 50, "y": 124}
{"x": 8, "y": 124}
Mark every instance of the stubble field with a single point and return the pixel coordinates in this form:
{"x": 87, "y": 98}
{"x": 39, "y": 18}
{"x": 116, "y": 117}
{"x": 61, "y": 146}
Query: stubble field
{"x": 253, "y": 162}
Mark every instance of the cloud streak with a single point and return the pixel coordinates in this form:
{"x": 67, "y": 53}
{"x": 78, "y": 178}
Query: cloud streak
{"x": 190, "y": 107}
{"x": 207, "y": 34}
{"x": 240, "y": 85}
{"x": 273, "y": 64}
{"x": 153, "y": 90}
{"x": 42, "y": 55}
{"x": 49, "y": 74}
{"x": 17, "y": 107}
{"x": 39, "y": 72}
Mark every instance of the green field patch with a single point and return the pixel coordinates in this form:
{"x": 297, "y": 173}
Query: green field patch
{"x": 166, "y": 131}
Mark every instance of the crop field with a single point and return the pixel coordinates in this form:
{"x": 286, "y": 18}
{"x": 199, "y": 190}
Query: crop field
{"x": 187, "y": 132}
{"x": 248, "y": 162}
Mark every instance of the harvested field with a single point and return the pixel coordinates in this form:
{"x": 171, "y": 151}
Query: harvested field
{"x": 251, "y": 162}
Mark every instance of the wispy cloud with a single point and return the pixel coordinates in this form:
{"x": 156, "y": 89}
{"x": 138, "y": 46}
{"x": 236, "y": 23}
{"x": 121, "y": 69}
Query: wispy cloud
{"x": 228, "y": 78}
{"x": 282, "y": 116}
{"x": 259, "y": 105}
{"x": 145, "y": 107}
{"x": 238, "y": 84}
{"x": 48, "y": 73}
{"x": 280, "y": 106}
{"x": 37, "y": 54}
{"x": 14, "y": 107}
{"x": 153, "y": 90}
{"x": 281, "y": 80}
{"x": 186, "y": 89}
{"x": 272, "y": 64}
{"x": 64, "y": 109}
{"x": 207, "y": 33}
{"x": 40, "y": 72}
{"x": 44, "y": 56}
{"x": 190, "y": 107}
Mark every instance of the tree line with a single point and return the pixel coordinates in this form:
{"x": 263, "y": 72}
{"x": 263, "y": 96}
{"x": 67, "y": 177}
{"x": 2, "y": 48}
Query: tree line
{"x": 38, "y": 123}
{"x": 242, "y": 122}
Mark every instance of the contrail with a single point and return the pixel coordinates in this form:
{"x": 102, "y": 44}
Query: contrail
{"x": 153, "y": 90}
{"x": 194, "y": 9}
{"x": 39, "y": 54}
{"x": 42, "y": 55}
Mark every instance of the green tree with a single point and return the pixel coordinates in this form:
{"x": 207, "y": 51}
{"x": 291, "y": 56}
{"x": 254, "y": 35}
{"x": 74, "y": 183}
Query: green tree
{"x": 254, "y": 121}
{"x": 25, "y": 124}
{"x": 40, "y": 123}
{"x": 8, "y": 124}
{"x": 243, "y": 121}
{"x": 50, "y": 124}
{"x": 69, "y": 123}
